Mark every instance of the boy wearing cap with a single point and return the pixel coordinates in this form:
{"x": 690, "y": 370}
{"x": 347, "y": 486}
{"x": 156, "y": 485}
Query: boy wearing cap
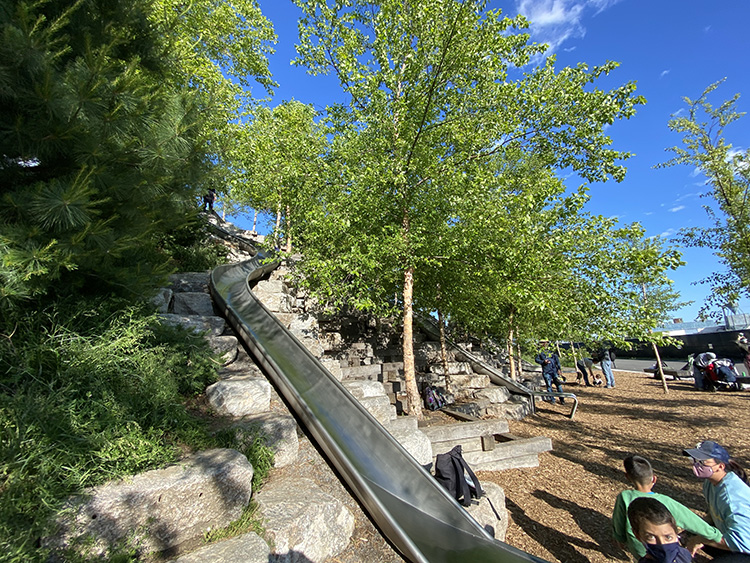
{"x": 639, "y": 473}
{"x": 728, "y": 496}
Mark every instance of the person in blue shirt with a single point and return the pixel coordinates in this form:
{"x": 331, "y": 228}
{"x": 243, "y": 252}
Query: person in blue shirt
{"x": 727, "y": 494}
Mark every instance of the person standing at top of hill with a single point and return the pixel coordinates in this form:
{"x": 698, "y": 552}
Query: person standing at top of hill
{"x": 744, "y": 345}
{"x": 585, "y": 368}
{"x": 208, "y": 200}
{"x": 551, "y": 370}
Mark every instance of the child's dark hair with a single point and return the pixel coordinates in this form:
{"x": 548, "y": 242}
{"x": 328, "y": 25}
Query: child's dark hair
{"x": 647, "y": 509}
{"x": 738, "y": 470}
{"x": 638, "y": 469}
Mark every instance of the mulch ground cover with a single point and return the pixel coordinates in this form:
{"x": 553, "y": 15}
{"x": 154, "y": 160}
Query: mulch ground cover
{"x": 561, "y": 510}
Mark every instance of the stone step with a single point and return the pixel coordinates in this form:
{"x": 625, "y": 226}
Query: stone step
{"x": 372, "y": 371}
{"x": 380, "y": 407}
{"x": 193, "y": 303}
{"x": 448, "y": 435}
{"x": 361, "y": 389}
{"x": 509, "y": 452}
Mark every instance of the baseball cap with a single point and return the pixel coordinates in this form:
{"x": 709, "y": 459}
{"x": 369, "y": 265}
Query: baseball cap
{"x": 708, "y": 450}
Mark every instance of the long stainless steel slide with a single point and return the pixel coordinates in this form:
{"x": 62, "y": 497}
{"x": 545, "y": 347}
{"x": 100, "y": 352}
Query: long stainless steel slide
{"x": 411, "y": 509}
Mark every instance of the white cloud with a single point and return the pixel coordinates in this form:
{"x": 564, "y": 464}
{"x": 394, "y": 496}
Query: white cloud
{"x": 648, "y": 213}
{"x": 689, "y": 195}
{"x": 555, "y": 21}
{"x": 677, "y": 208}
{"x": 667, "y": 233}
{"x": 664, "y": 73}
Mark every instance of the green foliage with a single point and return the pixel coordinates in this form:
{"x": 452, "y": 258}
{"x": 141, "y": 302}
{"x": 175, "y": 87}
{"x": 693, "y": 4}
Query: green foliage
{"x": 444, "y": 165}
{"x": 281, "y": 155}
{"x": 190, "y": 247}
{"x": 98, "y": 148}
{"x": 89, "y": 392}
{"x": 727, "y": 173}
{"x": 113, "y": 115}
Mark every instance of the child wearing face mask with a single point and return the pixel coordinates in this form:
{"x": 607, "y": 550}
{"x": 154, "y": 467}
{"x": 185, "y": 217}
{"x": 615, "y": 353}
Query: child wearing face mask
{"x": 726, "y": 490}
{"x": 654, "y": 526}
{"x": 640, "y": 475}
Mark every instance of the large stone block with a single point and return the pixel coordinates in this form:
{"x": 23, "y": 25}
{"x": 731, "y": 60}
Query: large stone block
{"x": 490, "y": 510}
{"x": 467, "y": 381}
{"x": 213, "y": 326}
{"x": 189, "y": 281}
{"x": 494, "y": 394}
{"x": 333, "y": 366}
{"x": 414, "y": 441}
{"x": 193, "y": 303}
{"x": 224, "y": 346}
{"x": 380, "y": 407}
{"x": 454, "y": 368}
{"x": 361, "y": 389}
{"x": 279, "y": 432}
{"x": 240, "y": 396}
{"x": 305, "y": 523}
{"x": 247, "y": 548}
{"x": 162, "y": 300}
{"x": 159, "y": 509}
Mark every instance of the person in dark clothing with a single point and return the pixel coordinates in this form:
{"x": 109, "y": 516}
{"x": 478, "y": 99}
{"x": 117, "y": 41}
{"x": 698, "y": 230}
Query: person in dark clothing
{"x": 209, "y": 199}
{"x": 551, "y": 371}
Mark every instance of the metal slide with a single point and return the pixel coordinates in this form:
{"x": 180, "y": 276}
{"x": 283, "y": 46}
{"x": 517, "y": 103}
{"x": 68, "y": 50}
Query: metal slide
{"x": 408, "y": 505}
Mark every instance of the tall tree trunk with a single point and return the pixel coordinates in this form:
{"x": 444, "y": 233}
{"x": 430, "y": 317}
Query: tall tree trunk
{"x": 511, "y": 359}
{"x": 413, "y": 399}
{"x": 277, "y": 232}
{"x": 443, "y": 348}
{"x": 575, "y": 359}
{"x": 519, "y": 358}
{"x": 255, "y": 221}
{"x": 658, "y": 366}
{"x": 288, "y": 229}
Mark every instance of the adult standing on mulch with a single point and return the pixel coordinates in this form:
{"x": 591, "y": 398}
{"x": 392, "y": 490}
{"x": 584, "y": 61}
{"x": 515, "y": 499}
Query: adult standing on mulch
{"x": 606, "y": 361}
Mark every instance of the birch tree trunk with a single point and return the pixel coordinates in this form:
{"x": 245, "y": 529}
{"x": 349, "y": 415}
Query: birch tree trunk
{"x": 288, "y": 229}
{"x": 575, "y": 359}
{"x": 661, "y": 371}
{"x": 277, "y": 231}
{"x": 443, "y": 348}
{"x": 511, "y": 355}
{"x": 413, "y": 401}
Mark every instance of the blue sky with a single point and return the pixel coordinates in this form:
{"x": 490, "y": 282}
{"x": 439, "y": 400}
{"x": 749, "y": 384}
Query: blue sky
{"x": 670, "y": 48}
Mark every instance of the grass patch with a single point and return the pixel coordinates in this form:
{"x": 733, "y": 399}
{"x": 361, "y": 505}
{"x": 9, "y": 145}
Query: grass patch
{"x": 90, "y": 392}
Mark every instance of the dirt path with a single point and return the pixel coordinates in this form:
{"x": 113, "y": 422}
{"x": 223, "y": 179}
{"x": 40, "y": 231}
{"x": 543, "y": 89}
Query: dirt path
{"x": 561, "y": 510}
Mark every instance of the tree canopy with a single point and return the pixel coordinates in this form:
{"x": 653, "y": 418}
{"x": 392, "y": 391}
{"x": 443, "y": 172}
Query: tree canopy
{"x": 427, "y": 152}
{"x": 727, "y": 173}
{"x": 108, "y": 129}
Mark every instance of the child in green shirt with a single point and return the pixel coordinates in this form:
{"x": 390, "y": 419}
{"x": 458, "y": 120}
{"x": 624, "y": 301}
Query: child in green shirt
{"x": 640, "y": 474}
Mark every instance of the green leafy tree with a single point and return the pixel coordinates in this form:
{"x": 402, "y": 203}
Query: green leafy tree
{"x": 106, "y": 132}
{"x": 281, "y": 153}
{"x": 434, "y": 117}
{"x": 218, "y": 50}
{"x": 727, "y": 173}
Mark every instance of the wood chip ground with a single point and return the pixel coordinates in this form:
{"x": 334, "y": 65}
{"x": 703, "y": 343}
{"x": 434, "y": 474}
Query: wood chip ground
{"x": 561, "y": 510}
